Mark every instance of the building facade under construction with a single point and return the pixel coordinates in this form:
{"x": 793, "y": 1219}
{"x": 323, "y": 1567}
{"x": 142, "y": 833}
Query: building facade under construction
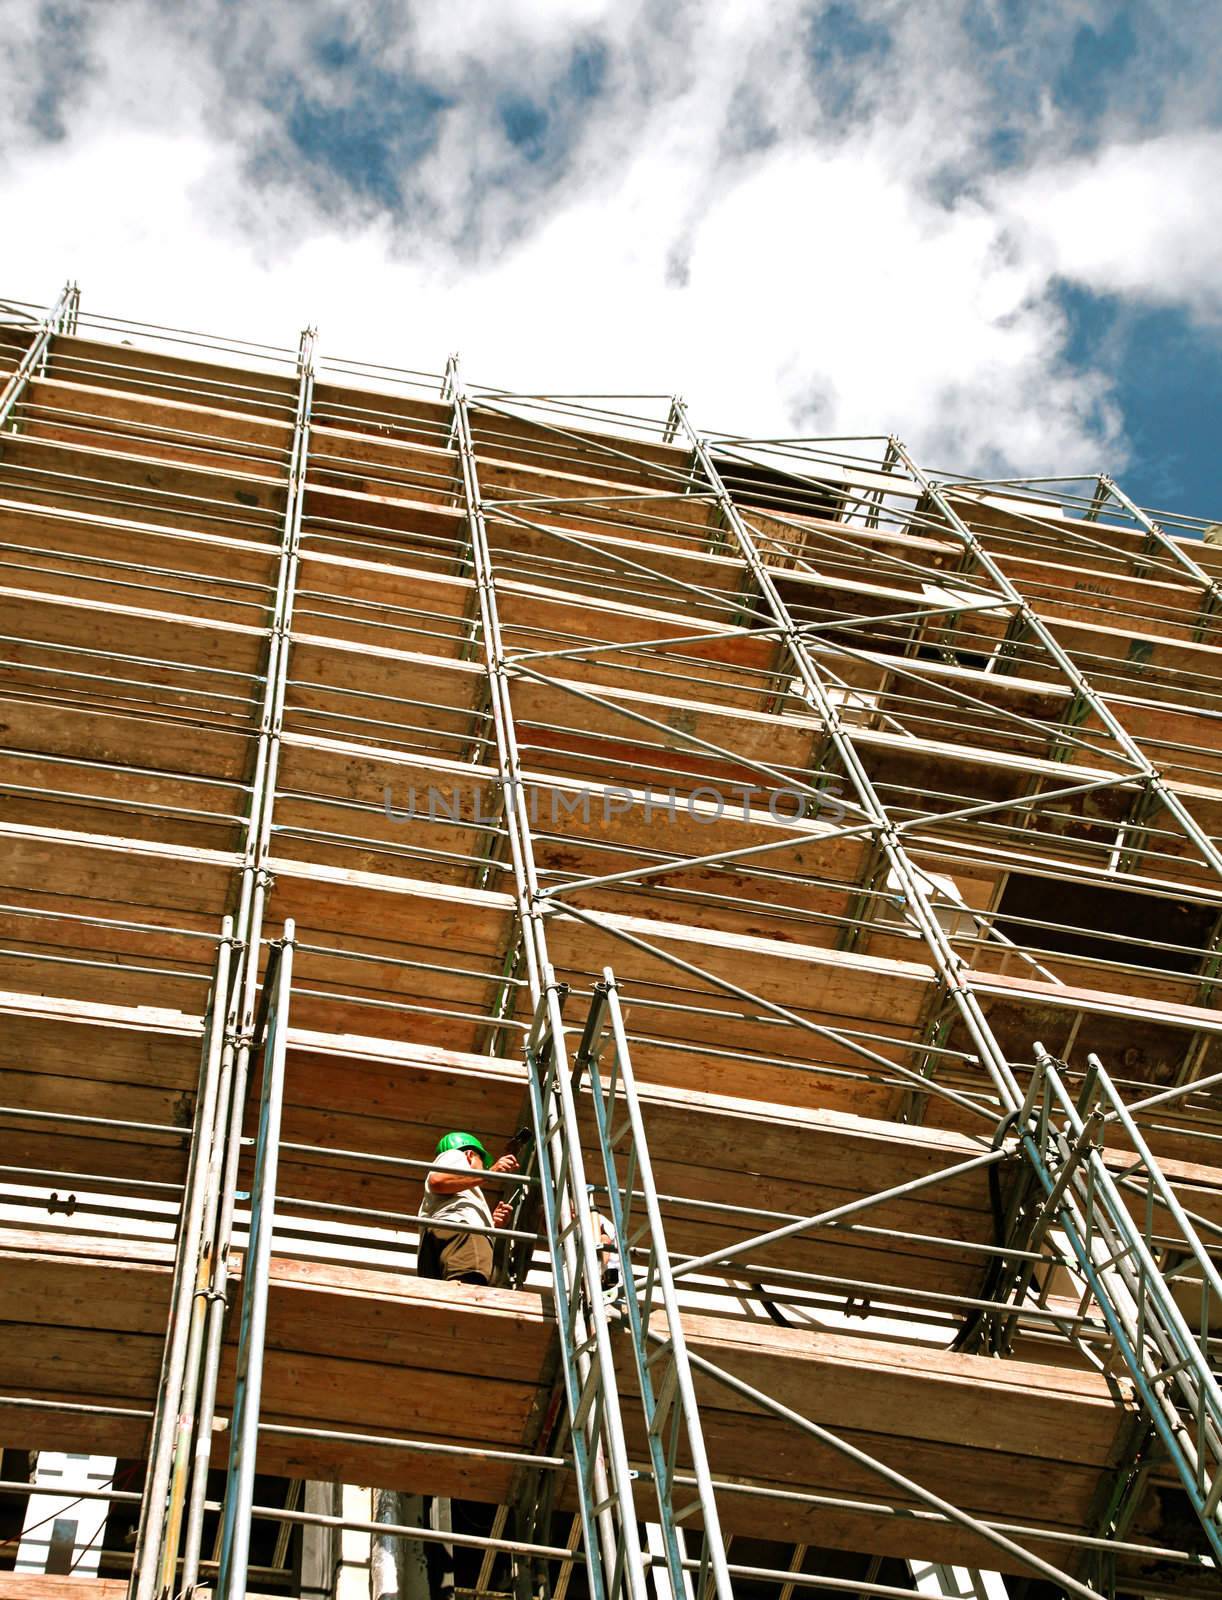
{"x": 808, "y": 860}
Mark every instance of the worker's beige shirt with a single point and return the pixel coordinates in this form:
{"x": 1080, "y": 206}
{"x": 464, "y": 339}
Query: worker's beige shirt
{"x": 467, "y": 1206}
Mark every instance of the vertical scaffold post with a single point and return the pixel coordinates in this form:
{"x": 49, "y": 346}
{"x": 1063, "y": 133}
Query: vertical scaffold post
{"x": 166, "y": 1438}
{"x": 664, "y": 1374}
{"x": 915, "y": 887}
{"x": 252, "y": 897}
{"x": 1167, "y": 1360}
{"x": 1083, "y": 689}
{"x": 192, "y": 1402}
{"x": 61, "y": 318}
{"x": 600, "y": 1453}
{"x": 614, "y": 1563}
{"x": 1156, "y": 534}
{"x": 248, "y": 1382}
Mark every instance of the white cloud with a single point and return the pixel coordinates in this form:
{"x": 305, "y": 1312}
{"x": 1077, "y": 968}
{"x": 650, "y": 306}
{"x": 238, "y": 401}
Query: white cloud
{"x": 1133, "y": 219}
{"x": 487, "y": 29}
{"x": 804, "y": 277}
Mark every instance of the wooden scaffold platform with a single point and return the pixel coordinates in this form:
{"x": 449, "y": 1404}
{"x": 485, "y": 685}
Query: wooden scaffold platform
{"x": 822, "y": 860}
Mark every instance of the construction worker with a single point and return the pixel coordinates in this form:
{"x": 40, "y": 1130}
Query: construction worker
{"x": 453, "y": 1193}
{"x": 608, "y": 1254}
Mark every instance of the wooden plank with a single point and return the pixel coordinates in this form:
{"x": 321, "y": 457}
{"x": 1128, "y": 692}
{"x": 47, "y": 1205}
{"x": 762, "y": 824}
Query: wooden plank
{"x": 102, "y": 624}
{"x": 156, "y": 370}
{"x": 378, "y": 403}
{"x": 434, "y": 832}
{"x": 469, "y": 1360}
{"x": 71, "y": 1586}
{"x": 92, "y": 533}
{"x": 77, "y": 797}
{"x": 43, "y": 1586}
{"x": 168, "y": 488}
{"x": 1134, "y": 1006}
{"x": 130, "y": 872}
{"x": 191, "y": 744}
{"x": 363, "y": 1094}
{"x": 433, "y": 607}
{"x": 159, "y": 413}
{"x": 807, "y": 979}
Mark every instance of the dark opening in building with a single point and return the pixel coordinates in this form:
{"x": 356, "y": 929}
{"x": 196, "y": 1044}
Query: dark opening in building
{"x": 1074, "y": 916}
{"x": 788, "y": 494}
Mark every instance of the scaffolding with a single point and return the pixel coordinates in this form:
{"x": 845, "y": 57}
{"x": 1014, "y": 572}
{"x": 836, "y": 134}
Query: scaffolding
{"x": 821, "y": 856}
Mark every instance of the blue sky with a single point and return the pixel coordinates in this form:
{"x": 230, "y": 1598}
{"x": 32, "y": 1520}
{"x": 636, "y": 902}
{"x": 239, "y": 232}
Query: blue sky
{"x": 990, "y": 226}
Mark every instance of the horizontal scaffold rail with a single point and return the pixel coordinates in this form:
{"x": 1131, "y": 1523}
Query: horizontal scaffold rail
{"x": 858, "y": 778}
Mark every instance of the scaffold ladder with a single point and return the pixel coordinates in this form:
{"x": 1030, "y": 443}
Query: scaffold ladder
{"x": 647, "y": 1301}
{"x": 271, "y": 1036}
{"x": 1140, "y": 1254}
{"x": 615, "y": 1564}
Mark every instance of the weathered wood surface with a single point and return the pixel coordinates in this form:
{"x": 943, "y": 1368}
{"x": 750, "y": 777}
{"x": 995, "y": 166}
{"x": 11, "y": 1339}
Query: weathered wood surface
{"x": 382, "y": 1353}
{"x": 71, "y": 1586}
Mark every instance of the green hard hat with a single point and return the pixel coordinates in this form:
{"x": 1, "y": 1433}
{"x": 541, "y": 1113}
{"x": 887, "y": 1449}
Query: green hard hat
{"x": 462, "y": 1141}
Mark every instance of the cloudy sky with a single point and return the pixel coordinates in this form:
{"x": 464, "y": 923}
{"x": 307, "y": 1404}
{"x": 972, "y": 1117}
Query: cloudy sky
{"x": 993, "y": 227}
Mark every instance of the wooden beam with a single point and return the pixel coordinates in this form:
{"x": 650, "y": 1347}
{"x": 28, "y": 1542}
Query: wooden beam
{"x": 379, "y": 1352}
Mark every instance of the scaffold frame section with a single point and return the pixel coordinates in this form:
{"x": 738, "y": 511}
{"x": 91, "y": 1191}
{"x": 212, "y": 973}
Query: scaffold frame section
{"x": 706, "y": 611}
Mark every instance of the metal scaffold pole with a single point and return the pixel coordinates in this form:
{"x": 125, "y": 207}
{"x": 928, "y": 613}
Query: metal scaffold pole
{"x": 950, "y": 965}
{"x": 605, "y": 1481}
{"x": 649, "y": 1297}
{"x": 170, "y": 1434}
{"x": 176, "y": 1483}
{"x": 253, "y": 895}
{"x": 59, "y": 319}
{"x": 859, "y": 780}
{"x": 1175, "y": 548}
{"x": 1082, "y": 687}
{"x": 1167, "y": 1358}
{"x": 248, "y": 1379}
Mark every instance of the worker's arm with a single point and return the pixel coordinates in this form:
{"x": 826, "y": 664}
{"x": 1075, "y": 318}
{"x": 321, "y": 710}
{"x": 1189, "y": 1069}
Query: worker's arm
{"x": 454, "y": 1179}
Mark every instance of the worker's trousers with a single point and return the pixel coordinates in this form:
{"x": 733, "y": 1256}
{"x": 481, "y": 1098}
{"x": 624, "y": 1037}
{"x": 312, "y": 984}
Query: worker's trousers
{"x": 462, "y": 1255}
